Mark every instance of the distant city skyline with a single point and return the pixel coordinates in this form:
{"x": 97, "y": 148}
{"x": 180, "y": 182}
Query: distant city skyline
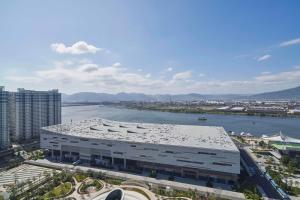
{"x": 152, "y": 47}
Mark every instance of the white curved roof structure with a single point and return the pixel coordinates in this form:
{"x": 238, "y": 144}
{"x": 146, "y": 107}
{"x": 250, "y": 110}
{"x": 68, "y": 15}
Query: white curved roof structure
{"x": 281, "y": 138}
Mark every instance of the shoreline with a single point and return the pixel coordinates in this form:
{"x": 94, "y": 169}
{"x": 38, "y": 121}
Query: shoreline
{"x": 202, "y": 111}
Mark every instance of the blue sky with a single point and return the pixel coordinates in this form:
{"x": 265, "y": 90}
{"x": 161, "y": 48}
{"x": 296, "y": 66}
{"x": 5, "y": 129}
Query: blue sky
{"x": 150, "y": 46}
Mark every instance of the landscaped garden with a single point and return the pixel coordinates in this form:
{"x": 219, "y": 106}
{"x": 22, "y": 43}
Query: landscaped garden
{"x": 60, "y": 191}
{"x": 62, "y": 186}
{"x": 80, "y": 176}
{"x": 114, "y": 181}
{"x": 89, "y": 186}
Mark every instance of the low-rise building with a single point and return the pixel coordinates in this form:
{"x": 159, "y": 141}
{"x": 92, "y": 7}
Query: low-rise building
{"x": 201, "y": 152}
{"x": 284, "y": 144}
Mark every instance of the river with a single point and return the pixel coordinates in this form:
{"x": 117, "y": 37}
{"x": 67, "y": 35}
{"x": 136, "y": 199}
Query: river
{"x": 237, "y": 123}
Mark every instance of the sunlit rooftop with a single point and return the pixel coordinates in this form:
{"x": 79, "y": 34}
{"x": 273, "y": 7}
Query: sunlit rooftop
{"x": 180, "y": 135}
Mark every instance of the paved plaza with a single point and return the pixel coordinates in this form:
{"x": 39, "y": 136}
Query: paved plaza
{"x": 22, "y": 173}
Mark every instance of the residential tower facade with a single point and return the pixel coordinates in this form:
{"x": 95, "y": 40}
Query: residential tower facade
{"x": 24, "y": 113}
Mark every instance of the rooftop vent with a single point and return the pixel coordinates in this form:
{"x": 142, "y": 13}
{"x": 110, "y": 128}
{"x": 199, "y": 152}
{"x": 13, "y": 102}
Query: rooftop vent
{"x": 111, "y": 130}
{"x": 94, "y": 129}
{"x": 140, "y": 127}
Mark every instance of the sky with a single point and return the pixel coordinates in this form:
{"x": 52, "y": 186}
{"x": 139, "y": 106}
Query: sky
{"x": 152, "y": 47}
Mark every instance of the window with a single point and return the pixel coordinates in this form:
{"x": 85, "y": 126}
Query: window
{"x": 189, "y": 161}
{"x": 109, "y": 145}
{"x": 161, "y": 155}
{"x": 64, "y": 138}
{"x": 151, "y": 149}
{"x": 54, "y": 137}
{"x": 169, "y": 151}
{"x": 117, "y": 152}
{"x": 94, "y": 144}
{"x": 74, "y": 141}
{"x": 133, "y": 145}
{"x": 44, "y": 138}
{"x": 222, "y": 164}
{"x": 84, "y": 139}
{"x": 53, "y": 142}
{"x": 206, "y": 153}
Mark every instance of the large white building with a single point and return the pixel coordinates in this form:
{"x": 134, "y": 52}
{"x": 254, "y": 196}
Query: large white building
{"x": 24, "y": 112}
{"x": 202, "y": 152}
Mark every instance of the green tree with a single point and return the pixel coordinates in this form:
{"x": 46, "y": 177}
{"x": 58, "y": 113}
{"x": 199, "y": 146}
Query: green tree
{"x": 285, "y": 160}
{"x": 262, "y": 144}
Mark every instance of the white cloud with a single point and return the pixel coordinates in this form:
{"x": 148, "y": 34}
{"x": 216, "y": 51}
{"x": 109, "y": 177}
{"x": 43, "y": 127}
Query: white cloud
{"x": 169, "y": 69}
{"x": 117, "y": 64}
{"x": 201, "y": 75}
{"x": 24, "y": 79}
{"x": 79, "y": 47}
{"x": 265, "y": 73}
{"x": 88, "y": 68}
{"x": 290, "y": 42}
{"x": 182, "y": 75}
{"x": 283, "y": 77}
{"x": 76, "y": 76}
{"x": 264, "y": 57}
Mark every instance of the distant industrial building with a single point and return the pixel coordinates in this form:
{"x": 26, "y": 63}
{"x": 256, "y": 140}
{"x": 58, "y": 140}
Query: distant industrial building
{"x": 201, "y": 152}
{"x": 24, "y": 112}
{"x": 237, "y": 109}
{"x": 267, "y": 109}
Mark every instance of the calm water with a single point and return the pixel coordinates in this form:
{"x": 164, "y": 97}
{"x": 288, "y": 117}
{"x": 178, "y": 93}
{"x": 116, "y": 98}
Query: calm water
{"x": 252, "y": 124}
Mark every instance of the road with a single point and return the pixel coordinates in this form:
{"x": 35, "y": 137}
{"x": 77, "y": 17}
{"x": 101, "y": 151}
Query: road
{"x": 257, "y": 179}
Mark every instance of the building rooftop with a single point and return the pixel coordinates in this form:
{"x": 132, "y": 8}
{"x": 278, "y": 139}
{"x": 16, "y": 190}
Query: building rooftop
{"x": 281, "y": 138}
{"x": 179, "y": 135}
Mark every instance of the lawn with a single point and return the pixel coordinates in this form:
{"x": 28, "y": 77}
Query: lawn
{"x": 114, "y": 181}
{"x": 80, "y": 177}
{"x": 59, "y": 191}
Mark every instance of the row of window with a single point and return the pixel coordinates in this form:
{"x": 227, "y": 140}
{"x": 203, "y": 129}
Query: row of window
{"x": 188, "y": 161}
{"x": 195, "y": 162}
{"x": 222, "y": 164}
{"x": 152, "y": 149}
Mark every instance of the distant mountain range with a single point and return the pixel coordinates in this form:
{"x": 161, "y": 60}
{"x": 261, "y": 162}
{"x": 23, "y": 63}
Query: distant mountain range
{"x": 288, "y": 94}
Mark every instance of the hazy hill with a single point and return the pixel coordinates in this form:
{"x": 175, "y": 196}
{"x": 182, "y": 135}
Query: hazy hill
{"x": 289, "y": 94}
